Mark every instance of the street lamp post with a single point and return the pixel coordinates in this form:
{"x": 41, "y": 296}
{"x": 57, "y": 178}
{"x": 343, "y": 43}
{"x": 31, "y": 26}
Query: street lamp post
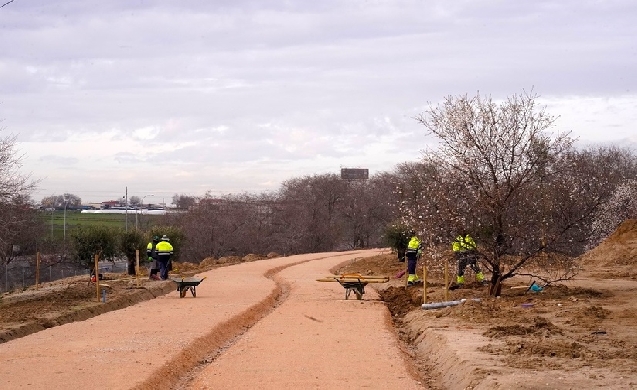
{"x": 142, "y": 207}
{"x": 126, "y": 207}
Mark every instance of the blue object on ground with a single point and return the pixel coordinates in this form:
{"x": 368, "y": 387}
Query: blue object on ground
{"x": 536, "y": 287}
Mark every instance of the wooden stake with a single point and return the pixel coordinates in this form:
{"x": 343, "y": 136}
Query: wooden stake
{"x": 97, "y": 277}
{"x": 137, "y": 266}
{"x": 37, "y": 270}
{"x": 446, "y": 280}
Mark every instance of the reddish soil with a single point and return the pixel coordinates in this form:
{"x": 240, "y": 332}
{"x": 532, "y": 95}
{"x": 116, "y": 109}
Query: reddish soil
{"x": 577, "y": 334}
{"x": 76, "y": 298}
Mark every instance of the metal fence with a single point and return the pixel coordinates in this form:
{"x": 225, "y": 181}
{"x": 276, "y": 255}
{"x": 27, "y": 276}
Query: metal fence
{"x": 21, "y": 273}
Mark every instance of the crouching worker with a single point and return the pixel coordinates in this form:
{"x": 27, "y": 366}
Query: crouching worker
{"x": 164, "y": 251}
{"x": 413, "y": 253}
{"x": 466, "y": 253}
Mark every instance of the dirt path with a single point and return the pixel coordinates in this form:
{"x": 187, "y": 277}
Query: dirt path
{"x": 166, "y": 342}
{"x": 315, "y": 339}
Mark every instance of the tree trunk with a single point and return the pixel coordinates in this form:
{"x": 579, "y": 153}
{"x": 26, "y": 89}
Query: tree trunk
{"x": 495, "y": 287}
{"x": 131, "y": 267}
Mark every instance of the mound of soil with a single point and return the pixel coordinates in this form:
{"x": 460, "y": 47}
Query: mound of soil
{"x": 618, "y": 249}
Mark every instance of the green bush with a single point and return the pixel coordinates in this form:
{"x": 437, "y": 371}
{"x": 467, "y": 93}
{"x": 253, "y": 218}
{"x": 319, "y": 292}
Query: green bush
{"x": 175, "y": 234}
{"x": 129, "y": 243}
{"x": 94, "y": 240}
{"x": 397, "y": 238}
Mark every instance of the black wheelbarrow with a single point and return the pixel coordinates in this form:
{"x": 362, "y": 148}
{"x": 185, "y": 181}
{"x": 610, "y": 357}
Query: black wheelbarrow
{"x": 354, "y": 283}
{"x": 187, "y": 284}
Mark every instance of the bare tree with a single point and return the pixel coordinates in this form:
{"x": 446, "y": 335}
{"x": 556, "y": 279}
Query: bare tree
{"x": 24, "y": 229}
{"x": 58, "y": 202}
{"x": 184, "y": 202}
{"x": 15, "y": 188}
{"x": 309, "y": 213}
{"x": 495, "y": 161}
{"x": 236, "y": 224}
{"x": 620, "y": 206}
{"x": 366, "y": 211}
{"x": 134, "y": 200}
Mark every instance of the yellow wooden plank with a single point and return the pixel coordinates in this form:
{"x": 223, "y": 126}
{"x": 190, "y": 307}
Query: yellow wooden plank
{"x": 350, "y": 279}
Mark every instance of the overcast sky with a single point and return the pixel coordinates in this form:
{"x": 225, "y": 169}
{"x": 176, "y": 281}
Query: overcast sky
{"x": 185, "y": 96}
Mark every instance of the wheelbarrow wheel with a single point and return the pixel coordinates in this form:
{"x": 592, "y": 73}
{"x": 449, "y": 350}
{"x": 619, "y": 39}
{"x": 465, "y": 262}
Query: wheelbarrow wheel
{"x": 182, "y": 292}
{"x": 359, "y": 296}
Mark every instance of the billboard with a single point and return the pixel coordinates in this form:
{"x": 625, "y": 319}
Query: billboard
{"x": 354, "y": 173}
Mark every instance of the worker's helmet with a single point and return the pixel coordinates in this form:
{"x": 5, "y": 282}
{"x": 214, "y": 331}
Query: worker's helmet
{"x": 155, "y": 238}
{"x": 165, "y": 238}
{"x": 412, "y": 232}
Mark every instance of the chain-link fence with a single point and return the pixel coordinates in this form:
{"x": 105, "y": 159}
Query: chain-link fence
{"x": 21, "y": 272}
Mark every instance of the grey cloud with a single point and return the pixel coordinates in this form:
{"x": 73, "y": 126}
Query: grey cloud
{"x": 349, "y": 75}
{"x": 53, "y": 160}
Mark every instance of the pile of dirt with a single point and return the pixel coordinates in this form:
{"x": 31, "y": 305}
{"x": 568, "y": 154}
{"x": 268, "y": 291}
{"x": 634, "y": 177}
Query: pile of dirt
{"x": 618, "y": 249}
{"x": 400, "y": 302}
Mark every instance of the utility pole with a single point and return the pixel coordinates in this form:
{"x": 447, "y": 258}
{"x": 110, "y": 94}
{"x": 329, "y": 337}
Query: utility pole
{"x": 65, "y": 202}
{"x": 126, "y": 207}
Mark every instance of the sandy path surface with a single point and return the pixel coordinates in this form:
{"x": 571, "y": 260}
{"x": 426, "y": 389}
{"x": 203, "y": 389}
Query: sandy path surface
{"x": 315, "y": 339}
{"x": 165, "y": 342}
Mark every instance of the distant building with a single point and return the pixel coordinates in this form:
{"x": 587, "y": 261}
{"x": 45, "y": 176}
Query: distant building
{"x": 110, "y": 204}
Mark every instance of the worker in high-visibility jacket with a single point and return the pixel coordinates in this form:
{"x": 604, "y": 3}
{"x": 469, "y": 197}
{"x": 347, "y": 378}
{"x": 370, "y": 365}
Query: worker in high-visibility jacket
{"x": 151, "y": 252}
{"x": 413, "y": 253}
{"x": 466, "y": 252}
{"x": 164, "y": 251}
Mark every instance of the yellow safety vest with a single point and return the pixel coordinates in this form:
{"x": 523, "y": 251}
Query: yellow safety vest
{"x": 414, "y": 244}
{"x": 164, "y": 249}
{"x": 462, "y": 244}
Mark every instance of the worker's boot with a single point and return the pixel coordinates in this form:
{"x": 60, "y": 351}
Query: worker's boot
{"x": 480, "y": 278}
{"x": 459, "y": 283}
{"x": 412, "y": 279}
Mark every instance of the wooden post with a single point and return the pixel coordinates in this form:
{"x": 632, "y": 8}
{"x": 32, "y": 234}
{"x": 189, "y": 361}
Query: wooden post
{"x": 37, "y": 270}
{"x": 424, "y": 282}
{"x": 97, "y": 277}
{"x": 137, "y": 266}
{"x": 446, "y": 280}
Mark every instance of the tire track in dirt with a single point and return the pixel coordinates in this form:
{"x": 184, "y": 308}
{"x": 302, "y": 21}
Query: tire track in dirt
{"x": 183, "y": 368}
